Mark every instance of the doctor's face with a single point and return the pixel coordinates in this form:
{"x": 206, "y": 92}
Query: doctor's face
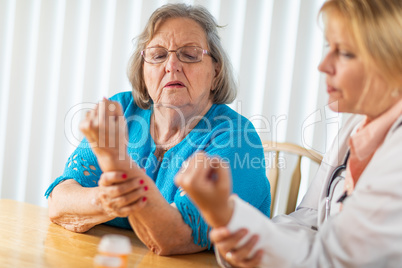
{"x": 351, "y": 86}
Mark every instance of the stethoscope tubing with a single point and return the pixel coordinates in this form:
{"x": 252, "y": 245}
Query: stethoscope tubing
{"x": 334, "y": 175}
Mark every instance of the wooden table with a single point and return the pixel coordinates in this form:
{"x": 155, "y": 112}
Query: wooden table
{"x": 29, "y": 239}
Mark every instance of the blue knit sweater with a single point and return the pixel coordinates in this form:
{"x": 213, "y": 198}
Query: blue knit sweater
{"x": 222, "y": 132}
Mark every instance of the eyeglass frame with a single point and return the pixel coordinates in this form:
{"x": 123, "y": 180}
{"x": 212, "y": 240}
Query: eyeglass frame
{"x": 204, "y": 52}
{"x": 335, "y": 174}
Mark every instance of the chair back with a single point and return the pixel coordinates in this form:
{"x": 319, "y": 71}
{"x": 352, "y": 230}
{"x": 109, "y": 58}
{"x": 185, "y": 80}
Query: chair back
{"x": 273, "y": 174}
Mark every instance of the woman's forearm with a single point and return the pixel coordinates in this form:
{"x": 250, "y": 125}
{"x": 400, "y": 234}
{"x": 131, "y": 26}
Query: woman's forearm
{"x": 76, "y": 208}
{"x": 161, "y": 227}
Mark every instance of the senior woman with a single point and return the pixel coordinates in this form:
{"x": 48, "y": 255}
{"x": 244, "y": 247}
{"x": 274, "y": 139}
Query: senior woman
{"x": 181, "y": 80}
{"x": 351, "y": 215}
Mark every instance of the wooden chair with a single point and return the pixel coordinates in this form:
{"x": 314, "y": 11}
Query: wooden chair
{"x": 273, "y": 175}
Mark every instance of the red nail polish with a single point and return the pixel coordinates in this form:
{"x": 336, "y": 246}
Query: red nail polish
{"x": 141, "y": 181}
{"x": 146, "y": 188}
{"x": 144, "y": 199}
{"x": 124, "y": 176}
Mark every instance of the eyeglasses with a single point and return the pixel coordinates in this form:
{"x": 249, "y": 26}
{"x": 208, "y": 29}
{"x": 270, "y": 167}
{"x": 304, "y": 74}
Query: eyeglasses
{"x": 189, "y": 54}
{"x": 335, "y": 179}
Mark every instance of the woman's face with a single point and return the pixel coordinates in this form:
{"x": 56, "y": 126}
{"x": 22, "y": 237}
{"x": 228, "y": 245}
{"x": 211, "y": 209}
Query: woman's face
{"x": 175, "y": 83}
{"x": 347, "y": 78}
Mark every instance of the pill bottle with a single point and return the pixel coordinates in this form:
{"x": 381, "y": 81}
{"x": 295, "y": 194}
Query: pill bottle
{"x": 113, "y": 251}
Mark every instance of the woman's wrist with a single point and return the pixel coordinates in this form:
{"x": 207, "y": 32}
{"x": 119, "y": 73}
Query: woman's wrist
{"x": 220, "y": 215}
{"x": 115, "y": 162}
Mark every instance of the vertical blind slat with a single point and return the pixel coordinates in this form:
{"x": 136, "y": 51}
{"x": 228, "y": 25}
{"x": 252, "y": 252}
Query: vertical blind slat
{"x": 252, "y": 57}
{"x": 279, "y": 70}
{"x": 126, "y": 28}
{"x": 232, "y": 17}
{"x": 7, "y": 13}
{"x": 97, "y": 50}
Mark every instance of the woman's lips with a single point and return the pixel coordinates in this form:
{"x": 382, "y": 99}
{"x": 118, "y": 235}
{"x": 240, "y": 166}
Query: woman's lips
{"x": 174, "y": 84}
{"x": 331, "y": 89}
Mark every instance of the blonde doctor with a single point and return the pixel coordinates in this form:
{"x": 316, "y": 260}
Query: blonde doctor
{"x": 351, "y": 215}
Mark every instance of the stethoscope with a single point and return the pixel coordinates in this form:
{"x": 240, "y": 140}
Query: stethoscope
{"x": 335, "y": 174}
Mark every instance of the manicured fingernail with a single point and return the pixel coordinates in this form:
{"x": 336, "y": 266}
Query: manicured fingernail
{"x": 141, "y": 181}
{"x": 124, "y": 176}
{"x": 104, "y": 98}
{"x": 146, "y": 188}
{"x": 144, "y": 199}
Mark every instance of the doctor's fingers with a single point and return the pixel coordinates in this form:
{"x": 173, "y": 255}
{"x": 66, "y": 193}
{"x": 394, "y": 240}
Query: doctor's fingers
{"x": 254, "y": 261}
{"x": 193, "y": 172}
{"x": 220, "y": 174}
{"x": 243, "y": 253}
{"x": 227, "y": 242}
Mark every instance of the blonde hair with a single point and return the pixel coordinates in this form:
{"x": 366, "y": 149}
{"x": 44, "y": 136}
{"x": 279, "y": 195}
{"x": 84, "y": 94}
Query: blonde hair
{"x": 225, "y": 86}
{"x": 376, "y": 26}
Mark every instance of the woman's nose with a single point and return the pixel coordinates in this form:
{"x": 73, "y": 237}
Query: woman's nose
{"x": 173, "y": 64}
{"x": 326, "y": 65}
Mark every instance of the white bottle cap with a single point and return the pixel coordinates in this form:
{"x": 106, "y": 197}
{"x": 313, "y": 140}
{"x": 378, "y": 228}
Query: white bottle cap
{"x": 115, "y": 244}
{"x": 107, "y": 261}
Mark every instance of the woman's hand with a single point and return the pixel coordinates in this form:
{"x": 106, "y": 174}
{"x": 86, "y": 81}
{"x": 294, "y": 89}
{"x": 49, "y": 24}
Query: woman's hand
{"x": 207, "y": 181}
{"x": 105, "y": 128}
{"x": 121, "y": 196}
{"x": 228, "y": 247}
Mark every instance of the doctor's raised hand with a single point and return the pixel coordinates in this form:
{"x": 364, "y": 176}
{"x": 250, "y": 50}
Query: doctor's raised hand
{"x": 207, "y": 181}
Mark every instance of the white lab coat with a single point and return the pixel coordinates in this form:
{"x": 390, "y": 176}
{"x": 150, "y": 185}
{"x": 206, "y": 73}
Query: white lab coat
{"x": 366, "y": 233}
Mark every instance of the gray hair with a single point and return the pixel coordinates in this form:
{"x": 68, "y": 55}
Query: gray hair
{"x": 225, "y": 86}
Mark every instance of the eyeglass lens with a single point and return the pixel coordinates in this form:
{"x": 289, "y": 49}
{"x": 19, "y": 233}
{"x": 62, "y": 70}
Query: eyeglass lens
{"x": 184, "y": 54}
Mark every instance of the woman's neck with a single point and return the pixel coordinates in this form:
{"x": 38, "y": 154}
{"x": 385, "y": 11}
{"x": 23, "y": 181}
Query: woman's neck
{"x": 382, "y": 109}
{"x": 170, "y": 125}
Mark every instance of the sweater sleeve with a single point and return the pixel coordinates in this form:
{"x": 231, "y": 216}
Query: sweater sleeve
{"x": 82, "y": 166}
